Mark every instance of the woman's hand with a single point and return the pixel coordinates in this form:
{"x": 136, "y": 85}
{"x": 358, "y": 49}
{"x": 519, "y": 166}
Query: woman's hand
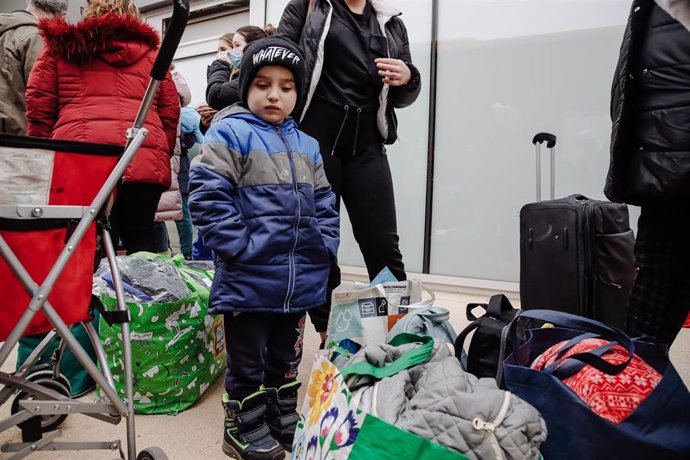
{"x": 206, "y": 114}
{"x": 223, "y": 56}
{"x": 394, "y": 72}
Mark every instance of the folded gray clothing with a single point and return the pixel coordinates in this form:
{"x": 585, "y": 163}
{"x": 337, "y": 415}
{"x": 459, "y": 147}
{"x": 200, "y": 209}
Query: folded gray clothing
{"x": 439, "y": 401}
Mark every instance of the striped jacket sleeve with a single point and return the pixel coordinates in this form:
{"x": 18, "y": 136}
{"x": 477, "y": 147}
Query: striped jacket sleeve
{"x": 212, "y": 182}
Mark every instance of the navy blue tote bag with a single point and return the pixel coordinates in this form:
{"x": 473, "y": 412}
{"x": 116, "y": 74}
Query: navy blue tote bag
{"x": 659, "y": 428}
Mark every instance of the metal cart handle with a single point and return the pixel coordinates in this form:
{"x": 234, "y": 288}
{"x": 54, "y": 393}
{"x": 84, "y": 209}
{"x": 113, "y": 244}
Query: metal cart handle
{"x": 177, "y": 24}
{"x": 166, "y": 52}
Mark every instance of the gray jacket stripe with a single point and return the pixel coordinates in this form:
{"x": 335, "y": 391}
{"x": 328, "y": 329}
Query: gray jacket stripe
{"x": 263, "y": 169}
{"x": 320, "y": 180}
{"x": 217, "y": 157}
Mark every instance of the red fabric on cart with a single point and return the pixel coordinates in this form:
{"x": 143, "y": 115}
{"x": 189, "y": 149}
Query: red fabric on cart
{"x": 76, "y": 179}
{"x": 38, "y": 251}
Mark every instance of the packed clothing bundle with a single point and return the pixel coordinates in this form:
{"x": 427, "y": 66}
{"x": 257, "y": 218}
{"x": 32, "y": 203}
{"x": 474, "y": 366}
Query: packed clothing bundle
{"x": 376, "y": 381}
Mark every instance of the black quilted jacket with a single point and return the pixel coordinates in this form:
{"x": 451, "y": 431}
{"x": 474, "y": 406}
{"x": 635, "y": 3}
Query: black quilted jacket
{"x": 650, "y": 110}
{"x": 307, "y": 30}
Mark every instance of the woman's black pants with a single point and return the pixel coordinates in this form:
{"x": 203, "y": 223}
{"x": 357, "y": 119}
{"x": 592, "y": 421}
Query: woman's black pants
{"x": 357, "y": 168}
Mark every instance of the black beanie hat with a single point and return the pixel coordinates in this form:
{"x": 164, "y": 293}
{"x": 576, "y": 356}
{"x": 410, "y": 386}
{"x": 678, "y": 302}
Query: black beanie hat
{"x": 267, "y": 51}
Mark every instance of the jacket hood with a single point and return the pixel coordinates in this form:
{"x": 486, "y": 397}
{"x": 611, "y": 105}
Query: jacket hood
{"x": 119, "y": 40}
{"x": 16, "y": 19}
{"x": 384, "y": 10}
{"x": 678, "y": 10}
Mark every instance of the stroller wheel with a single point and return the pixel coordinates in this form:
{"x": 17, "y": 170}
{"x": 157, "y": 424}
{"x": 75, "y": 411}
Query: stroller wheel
{"x": 45, "y": 378}
{"x": 152, "y": 453}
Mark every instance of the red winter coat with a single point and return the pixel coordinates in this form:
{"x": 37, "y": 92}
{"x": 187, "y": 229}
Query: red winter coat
{"x": 88, "y": 84}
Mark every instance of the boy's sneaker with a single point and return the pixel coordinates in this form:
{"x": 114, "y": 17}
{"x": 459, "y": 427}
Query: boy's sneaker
{"x": 282, "y": 415}
{"x": 246, "y": 435}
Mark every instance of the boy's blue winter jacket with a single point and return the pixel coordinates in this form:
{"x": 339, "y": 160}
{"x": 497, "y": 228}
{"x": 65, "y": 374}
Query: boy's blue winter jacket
{"x": 259, "y": 194}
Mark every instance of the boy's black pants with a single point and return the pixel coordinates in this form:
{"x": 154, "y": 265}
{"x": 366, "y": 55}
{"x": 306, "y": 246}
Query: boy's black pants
{"x": 359, "y": 173}
{"x": 262, "y": 348}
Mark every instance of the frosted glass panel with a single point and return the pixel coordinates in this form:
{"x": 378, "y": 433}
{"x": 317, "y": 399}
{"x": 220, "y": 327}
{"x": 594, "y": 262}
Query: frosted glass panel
{"x": 506, "y": 70}
{"x": 407, "y": 156}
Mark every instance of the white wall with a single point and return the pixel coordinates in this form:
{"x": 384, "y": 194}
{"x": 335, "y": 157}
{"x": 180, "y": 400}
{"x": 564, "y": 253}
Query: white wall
{"x": 506, "y": 70}
{"x": 199, "y": 43}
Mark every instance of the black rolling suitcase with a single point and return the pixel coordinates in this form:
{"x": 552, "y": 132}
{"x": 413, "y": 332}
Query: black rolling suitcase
{"x": 576, "y": 254}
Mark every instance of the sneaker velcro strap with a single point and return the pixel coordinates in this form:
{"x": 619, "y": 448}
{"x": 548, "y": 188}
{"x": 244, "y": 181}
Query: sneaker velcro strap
{"x": 253, "y": 436}
{"x": 288, "y": 420}
{"x": 289, "y": 401}
{"x": 251, "y": 415}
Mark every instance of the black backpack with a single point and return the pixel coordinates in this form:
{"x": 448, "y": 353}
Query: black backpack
{"x": 489, "y": 345}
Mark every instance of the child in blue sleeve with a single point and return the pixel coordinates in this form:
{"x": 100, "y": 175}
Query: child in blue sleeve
{"x": 259, "y": 194}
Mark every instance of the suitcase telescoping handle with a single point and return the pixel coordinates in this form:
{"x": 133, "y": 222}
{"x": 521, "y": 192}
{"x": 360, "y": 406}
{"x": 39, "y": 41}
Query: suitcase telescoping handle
{"x": 165, "y": 56}
{"x": 550, "y": 140}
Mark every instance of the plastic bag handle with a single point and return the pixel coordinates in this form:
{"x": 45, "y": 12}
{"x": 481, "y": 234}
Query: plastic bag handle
{"x": 408, "y": 359}
{"x": 422, "y": 303}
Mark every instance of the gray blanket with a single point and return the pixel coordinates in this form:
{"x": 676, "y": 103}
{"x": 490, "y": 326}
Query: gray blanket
{"x": 439, "y": 401}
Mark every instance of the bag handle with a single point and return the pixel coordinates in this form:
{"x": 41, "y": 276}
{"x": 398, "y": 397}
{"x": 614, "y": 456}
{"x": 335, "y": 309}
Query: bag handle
{"x": 576, "y": 323}
{"x": 567, "y": 367}
{"x": 472, "y": 306}
{"x": 422, "y": 303}
{"x": 460, "y": 340}
{"x": 497, "y": 306}
{"x": 568, "y": 345}
{"x": 408, "y": 359}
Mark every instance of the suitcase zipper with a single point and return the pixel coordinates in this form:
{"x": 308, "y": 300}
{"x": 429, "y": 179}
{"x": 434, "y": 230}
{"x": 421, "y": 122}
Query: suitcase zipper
{"x": 590, "y": 270}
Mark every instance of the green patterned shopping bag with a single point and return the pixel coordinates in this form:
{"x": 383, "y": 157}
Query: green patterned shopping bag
{"x": 178, "y": 350}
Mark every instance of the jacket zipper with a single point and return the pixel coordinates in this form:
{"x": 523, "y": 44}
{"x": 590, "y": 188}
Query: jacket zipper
{"x": 291, "y": 257}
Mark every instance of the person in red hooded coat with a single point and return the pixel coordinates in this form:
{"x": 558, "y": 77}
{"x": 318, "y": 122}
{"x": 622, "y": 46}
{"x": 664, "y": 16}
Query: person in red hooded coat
{"x": 87, "y": 85}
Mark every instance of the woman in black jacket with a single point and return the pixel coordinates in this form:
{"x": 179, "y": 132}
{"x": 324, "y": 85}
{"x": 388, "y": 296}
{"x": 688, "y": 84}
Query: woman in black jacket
{"x": 359, "y": 69}
{"x": 650, "y": 161}
{"x": 222, "y": 75}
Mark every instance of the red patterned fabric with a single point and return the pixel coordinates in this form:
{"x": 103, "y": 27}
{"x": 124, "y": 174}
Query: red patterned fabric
{"x": 612, "y": 397}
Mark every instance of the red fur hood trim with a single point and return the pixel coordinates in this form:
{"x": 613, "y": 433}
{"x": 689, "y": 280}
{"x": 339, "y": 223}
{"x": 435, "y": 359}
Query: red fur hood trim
{"x": 100, "y": 35}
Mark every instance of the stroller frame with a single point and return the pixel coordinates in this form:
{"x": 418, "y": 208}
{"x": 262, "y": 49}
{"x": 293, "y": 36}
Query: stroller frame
{"x": 47, "y": 401}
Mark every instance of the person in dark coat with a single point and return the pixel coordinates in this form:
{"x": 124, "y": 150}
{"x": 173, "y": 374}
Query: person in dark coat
{"x": 650, "y": 161}
{"x": 222, "y": 76}
{"x": 20, "y": 45}
{"x": 89, "y": 90}
{"x": 359, "y": 70}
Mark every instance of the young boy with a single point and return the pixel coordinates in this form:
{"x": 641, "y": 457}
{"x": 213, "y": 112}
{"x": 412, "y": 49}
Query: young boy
{"x": 259, "y": 194}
